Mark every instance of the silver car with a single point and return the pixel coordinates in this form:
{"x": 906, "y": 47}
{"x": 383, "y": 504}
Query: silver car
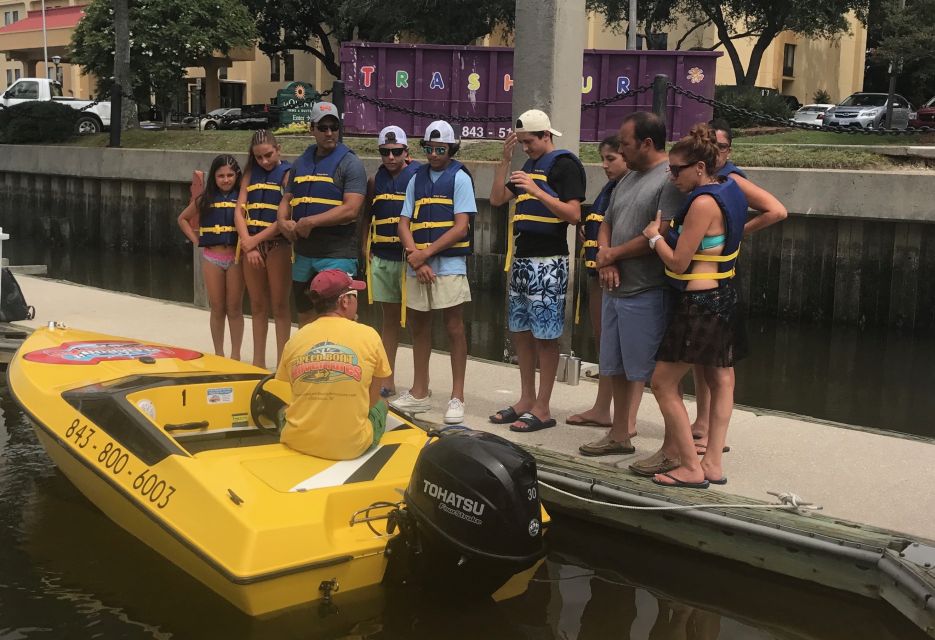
{"x": 811, "y": 113}
{"x": 867, "y": 111}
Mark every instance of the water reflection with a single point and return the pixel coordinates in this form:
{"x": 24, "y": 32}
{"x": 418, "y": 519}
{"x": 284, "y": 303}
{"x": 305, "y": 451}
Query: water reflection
{"x": 872, "y": 377}
{"x": 69, "y": 572}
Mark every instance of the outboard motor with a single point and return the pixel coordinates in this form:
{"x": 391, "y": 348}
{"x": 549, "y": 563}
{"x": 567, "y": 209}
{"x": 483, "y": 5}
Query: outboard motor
{"x": 472, "y": 518}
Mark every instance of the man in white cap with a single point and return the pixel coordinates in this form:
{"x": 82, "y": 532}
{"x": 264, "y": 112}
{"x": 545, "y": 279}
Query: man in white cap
{"x": 549, "y": 191}
{"x": 320, "y": 208}
{"x": 386, "y": 192}
{"x": 436, "y": 234}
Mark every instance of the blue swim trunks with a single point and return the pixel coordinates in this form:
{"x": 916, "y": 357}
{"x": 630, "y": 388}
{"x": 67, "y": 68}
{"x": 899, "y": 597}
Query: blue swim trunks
{"x": 305, "y": 268}
{"x": 537, "y": 296}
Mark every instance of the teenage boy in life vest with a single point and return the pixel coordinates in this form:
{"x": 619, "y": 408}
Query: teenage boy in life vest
{"x": 436, "y": 233}
{"x": 549, "y": 191}
{"x": 386, "y": 192}
{"x": 319, "y": 211}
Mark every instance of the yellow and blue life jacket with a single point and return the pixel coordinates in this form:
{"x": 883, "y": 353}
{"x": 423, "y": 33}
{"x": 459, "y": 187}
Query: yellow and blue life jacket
{"x": 389, "y": 192}
{"x": 729, "y": 168}
{"x": 263, "y": 196}
{"x": 592, "y": 224}
{"x": 216, "y": 224}
{"x": 313, "y": 187}
{"x": 733, "y": 204}
{"x": 434, "y": 212}
{"x": 531, "y": 215}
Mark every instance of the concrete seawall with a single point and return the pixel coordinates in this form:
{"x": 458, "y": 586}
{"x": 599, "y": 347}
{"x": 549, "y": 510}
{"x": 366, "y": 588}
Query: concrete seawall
{"x": 854, "y": 249}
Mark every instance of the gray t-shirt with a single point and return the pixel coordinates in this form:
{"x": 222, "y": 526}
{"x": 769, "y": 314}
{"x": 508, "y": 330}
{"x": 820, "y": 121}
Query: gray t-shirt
{"x": 338, "y": 241}
{"x": 633, "y": 204}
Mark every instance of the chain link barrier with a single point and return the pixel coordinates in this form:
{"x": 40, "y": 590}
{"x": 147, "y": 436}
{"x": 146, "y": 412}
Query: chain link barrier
{"x": 769, "y": 119}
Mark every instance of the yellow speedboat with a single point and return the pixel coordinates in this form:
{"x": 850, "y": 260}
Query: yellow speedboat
{"x": 171, "y": 445}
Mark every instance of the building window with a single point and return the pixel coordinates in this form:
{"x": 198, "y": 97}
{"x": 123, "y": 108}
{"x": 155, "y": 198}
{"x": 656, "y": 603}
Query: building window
{"x": 652, "y": 42}
{"x": 788, "y": 60}
{"x": 274, "y": 69}
{"x": 9, "y": 77}
{"x": 289, "y": 60}
{"x": 17, "y": 74}
{"x": 222, "y": 73}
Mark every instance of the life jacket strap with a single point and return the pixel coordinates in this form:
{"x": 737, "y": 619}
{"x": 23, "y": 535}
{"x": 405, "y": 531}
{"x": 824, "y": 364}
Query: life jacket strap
{"x": 431, "y": 225}
{"x": 216, "y": 229}
{"x": 265, "y": 185}
{"x": 388, "y": 196}
{"x": 223, "y": 205}
{"x": 595, "y": 217}
{"x": 308, "y": 200}
{"x": 250, "y": 206}
{"x": 432, "y": 200}
{"x": 532, "y": 218}
{"x": 301, "y": 179}
{"x": 701, "y": 276}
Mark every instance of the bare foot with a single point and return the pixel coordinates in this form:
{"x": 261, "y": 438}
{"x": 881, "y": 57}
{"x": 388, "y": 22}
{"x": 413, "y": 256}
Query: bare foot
{"x": 590, "y": 418}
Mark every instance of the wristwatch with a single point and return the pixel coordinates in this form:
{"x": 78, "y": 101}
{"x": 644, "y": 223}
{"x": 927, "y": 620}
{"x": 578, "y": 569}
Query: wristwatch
{"x": 653, "y": 240}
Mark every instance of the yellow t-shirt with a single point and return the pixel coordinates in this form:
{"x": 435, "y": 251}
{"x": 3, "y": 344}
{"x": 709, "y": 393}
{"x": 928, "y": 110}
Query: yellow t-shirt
{"x": 330, "y": 364}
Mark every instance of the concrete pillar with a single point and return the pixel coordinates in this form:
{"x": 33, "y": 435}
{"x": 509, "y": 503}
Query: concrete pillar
{"x": 212, "y": 85}
{"x": 547, "y": 61}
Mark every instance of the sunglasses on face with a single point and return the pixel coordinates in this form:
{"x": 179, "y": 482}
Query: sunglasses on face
{"x": 439, "y": 151}
{"x": 723, "y": 146}
{"x": 328, "y": 127}
{"x": 391, "y": 152}
{"x": 675, "y": 169}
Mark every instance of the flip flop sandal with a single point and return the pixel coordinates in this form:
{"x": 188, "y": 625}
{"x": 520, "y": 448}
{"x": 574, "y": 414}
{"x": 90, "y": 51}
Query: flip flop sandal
{"x": 506, "y": 416}
{"x": 681, "y": 483}
{"x": 586, "y": 423}
{"x": 701, "y": 449}
{"x": 721, "y": 481}
{"x": 527, "y": 423}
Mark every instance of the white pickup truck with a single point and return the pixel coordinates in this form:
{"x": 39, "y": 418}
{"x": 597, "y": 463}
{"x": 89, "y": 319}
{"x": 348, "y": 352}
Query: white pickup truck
{"x": 93, "y": 120}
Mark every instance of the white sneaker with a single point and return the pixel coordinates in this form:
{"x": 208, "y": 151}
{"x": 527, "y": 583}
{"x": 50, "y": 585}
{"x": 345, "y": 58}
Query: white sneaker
{"x": 455, "y": 412}
{"x": 410, "y": 404}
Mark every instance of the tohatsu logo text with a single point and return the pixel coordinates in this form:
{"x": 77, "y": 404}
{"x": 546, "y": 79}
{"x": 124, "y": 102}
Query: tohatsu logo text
{"x": 455, "y": 504}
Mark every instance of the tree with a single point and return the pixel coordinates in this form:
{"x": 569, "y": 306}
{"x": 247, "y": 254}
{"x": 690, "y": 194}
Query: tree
{"x": 909, "y": 41}
{"x": 122, "y": 73}
{"x": 165, "y": 37}
{"x": 763, "y": 20}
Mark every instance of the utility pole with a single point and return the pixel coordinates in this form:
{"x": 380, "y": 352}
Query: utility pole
{"x": 895, "y": 68}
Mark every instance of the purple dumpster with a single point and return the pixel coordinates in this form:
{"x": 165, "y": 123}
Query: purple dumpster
{"x": 412, "y": 84}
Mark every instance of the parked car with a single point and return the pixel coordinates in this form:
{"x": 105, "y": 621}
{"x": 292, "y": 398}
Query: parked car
{"x": 92, "y": 120}
{"x": 811, "y": 113}
{"x": 925, "y": 116}
{"x": 867, "y": 111}
{"x": 213, "y": 119}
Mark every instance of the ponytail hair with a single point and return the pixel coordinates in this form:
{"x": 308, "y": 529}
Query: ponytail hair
{"x": 211, "y": 185}
{"x": 700, "y": 145}
{"x": 260, "y": 136}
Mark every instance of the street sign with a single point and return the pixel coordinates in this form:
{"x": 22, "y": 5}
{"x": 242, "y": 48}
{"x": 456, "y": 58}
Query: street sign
{"x": 295, "y": 101}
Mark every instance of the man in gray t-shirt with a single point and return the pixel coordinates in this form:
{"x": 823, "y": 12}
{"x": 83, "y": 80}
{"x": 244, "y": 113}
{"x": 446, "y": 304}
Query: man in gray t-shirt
{"x": 635, "y": 310}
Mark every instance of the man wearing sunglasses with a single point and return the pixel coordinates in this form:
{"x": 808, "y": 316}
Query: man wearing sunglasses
{"x": 636, "y": 301}
{"x": 320, "y": 209}
{"x": 435, "y": 231}
{"x": 384, "y": 252}
{"x": 335, "y": 366}
{"x": 549, "y": 191}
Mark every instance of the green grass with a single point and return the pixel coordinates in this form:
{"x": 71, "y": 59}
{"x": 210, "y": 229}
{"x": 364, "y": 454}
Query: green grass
{"x": 800, "y": 136}
{"x": 747, "y": 151}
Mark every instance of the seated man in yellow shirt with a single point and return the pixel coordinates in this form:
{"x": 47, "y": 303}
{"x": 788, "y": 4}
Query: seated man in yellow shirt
{"x": 335, "y": 366}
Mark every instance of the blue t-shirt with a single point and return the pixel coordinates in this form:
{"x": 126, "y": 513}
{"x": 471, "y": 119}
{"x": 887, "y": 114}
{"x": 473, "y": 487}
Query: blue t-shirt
{"x": 463, "y": 203}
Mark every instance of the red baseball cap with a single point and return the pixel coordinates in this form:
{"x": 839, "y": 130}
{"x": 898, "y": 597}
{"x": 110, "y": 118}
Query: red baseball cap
{"x": 331, "y": 283}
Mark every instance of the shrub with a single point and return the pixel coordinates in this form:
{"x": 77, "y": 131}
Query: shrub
{"x": 293, "y": 129}
{"x": 753, "y": 99}
{"x": 37, "y": 122}
{"x": 822, "y": 97}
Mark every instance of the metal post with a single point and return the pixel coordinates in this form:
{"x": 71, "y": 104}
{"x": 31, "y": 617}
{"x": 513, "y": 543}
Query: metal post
{"x": 116, "y": 116}
{"x": 3, "y": 236}
{"x": 660, "y": 94}
{"x": 337, "y": 97}
{"x": 45, "y": 43}
{"x": 632, "y": 24}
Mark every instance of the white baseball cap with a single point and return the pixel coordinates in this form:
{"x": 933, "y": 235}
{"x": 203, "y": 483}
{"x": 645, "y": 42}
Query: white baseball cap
{"x": 392, "y": 135}
{"x": 440, "y": 131}
{"x": 534, "y": 120}
{"x": 324, "y": 109}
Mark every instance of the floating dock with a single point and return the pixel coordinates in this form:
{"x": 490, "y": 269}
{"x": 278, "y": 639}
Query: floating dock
{"x": 874, "y": 535}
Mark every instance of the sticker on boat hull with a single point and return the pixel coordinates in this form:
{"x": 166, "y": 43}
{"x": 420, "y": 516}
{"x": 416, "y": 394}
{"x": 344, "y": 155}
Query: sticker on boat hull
{"x": 107, "y": 351}
{"x": 220, "y": 395}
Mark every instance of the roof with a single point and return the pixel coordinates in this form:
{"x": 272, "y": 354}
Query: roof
{"x": 60, "y": 18}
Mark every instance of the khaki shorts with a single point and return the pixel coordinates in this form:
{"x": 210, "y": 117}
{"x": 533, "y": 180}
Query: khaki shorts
{"x": 386, "y": 279}
{"x": 445, "y": 292}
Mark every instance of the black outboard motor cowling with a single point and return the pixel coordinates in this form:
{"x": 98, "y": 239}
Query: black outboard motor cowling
{"x": 473, "y": 511}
